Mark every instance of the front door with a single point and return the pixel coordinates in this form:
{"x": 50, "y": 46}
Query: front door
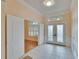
{"x": 56, "y": 34}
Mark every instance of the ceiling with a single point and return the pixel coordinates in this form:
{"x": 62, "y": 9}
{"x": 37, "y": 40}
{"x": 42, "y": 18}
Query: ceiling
{"x": 59, "y": 6}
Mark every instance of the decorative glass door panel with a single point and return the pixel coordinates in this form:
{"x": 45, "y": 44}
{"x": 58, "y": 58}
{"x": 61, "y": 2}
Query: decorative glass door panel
{"x": 60, "y": 33}
{"x": 50, "y": 33}
{"x": 56, "y": 34}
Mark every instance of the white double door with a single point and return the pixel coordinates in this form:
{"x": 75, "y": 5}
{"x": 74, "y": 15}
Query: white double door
{"x": 56, "y": 34}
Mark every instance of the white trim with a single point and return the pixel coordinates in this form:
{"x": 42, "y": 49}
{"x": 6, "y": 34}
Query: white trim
{"x": 74, "y": 54}
{"x": 58, "y": 13}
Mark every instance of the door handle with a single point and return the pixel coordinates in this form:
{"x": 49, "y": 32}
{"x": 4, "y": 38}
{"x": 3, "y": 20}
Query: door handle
{"x": 55, "y": 35}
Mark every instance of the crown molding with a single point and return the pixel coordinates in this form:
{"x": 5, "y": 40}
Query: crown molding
{"x": 29, "y": 6}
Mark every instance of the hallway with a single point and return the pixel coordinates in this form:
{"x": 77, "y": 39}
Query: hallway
{"x": 30, "y": 28}
{"x": 48, "y": 51}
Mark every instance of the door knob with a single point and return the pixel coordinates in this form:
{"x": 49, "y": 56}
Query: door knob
{"x": 55, "y": 35}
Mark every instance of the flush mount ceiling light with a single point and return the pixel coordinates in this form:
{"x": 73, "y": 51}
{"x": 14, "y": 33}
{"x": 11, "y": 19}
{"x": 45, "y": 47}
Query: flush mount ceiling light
{"x": 49, "y": 2}
{"x": 58, "y": 18}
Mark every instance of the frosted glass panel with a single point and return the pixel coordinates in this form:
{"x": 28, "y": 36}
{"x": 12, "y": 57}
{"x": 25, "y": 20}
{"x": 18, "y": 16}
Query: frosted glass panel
{"x": 59, "y": 33}
{"x": 50, "y": 32}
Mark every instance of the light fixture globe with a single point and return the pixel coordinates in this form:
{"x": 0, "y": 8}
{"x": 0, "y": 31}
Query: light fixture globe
{"x": 49, "y": 2}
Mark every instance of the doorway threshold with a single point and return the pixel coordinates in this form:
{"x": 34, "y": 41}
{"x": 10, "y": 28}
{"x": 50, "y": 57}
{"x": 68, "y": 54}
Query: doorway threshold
{"x": 56, "y": 44}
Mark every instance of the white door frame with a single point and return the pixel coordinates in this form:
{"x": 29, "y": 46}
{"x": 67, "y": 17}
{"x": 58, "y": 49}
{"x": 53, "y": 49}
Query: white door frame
{"x": 64, "y": 36}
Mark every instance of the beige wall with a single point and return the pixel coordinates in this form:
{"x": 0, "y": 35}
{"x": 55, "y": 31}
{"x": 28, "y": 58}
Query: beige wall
{"x": 74, "y": 41}
{"x": 3, "y": 30}
{"x": 68, "y": 28}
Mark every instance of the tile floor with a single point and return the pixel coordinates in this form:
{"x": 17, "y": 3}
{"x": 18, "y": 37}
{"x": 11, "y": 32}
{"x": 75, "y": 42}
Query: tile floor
{"x": 49, "y": 51}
